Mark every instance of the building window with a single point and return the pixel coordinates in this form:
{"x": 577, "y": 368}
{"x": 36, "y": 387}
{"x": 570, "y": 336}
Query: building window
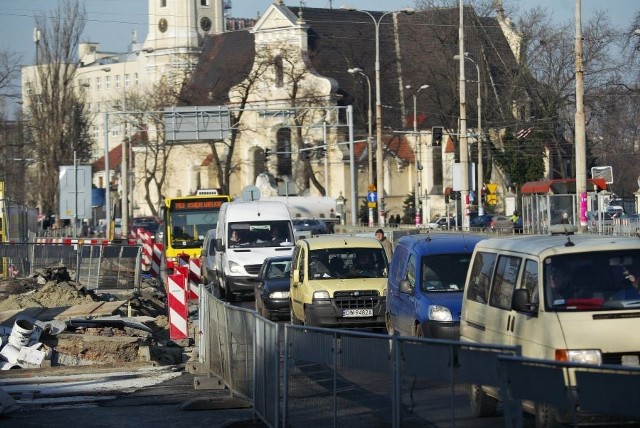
{"x": 204, "y": 2}
{"x": 94, "y": 131}
{"x": 88, "y": 107}
{"x": 87, "y": 85}
{"x": 126, "y": 81}
{"x": 163, "y": 3}
{"x": 98, "y": 83}
{"x": 28, "y": 88}
{"x": 135, "y": 79}
{"x": 259, "y": 163}
{"x": 283, "y": 149}
{"x": 107, "y": 82}
{"x": 279, "y": 72}
{"x": 117, "y": 81}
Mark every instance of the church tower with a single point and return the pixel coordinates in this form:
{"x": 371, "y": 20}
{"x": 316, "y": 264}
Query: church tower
{"x": 177, "y": 29}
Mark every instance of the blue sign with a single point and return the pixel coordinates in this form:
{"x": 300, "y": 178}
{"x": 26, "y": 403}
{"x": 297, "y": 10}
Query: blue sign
{"x": 372, "y": 197}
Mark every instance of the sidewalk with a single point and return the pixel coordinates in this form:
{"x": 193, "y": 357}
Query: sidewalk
{"x": 173, "y": 403}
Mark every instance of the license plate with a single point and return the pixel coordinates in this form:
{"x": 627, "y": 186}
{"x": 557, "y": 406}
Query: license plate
{"x": 351, "y": 313}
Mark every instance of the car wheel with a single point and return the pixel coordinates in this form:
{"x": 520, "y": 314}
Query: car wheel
{"x": 294, "y": 319}
{"x": 545, "y": 416}
{"x": 264, "y": 312}
{"x": 482, "y": 404}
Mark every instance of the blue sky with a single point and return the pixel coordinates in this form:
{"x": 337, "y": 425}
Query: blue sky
{"x": 111, "y": 22}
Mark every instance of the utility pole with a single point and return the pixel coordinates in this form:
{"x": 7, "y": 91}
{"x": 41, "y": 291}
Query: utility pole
{"x": 581, "y": 156}
{"x": 464, "y": 146}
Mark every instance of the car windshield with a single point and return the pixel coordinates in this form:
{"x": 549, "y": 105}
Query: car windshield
{"x": 444, "y": 272}
{"x": 347, "y": 263}
{"x": 593, "y": 281}
{"x": 260, "y": 234}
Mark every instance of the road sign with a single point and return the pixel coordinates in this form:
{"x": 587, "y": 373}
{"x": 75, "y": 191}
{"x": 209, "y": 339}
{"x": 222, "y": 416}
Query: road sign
{"x": 492, "y": 199}
{"x": 372, "y": 187}
{"x": 492, "y": 187}
{"x": 372, "y": 198}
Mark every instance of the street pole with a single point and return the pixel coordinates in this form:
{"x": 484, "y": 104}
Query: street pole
{"x": 124, "y": 170}
{"x": 75, "y": 193}
{"x": 416, "y": 184}
{"x": 464, "y": 146}
{"x": 379, "y": 151}
{"x": 480, "y": 167}
{"x": 107, "y": 192}
{"x": 369, "y": 136}
{"x": 581, "y": 156}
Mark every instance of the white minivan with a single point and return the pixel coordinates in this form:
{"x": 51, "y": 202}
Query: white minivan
{"x": 246, "y": 234}
{"x": 570, "y": 298}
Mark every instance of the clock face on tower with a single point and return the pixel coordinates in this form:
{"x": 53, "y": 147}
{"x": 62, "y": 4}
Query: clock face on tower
{"x": 162, "y": 25}
{"x": 205, "y": 23}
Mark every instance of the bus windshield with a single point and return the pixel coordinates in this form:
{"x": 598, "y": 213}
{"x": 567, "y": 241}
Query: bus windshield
{"x": 188, "y": 228}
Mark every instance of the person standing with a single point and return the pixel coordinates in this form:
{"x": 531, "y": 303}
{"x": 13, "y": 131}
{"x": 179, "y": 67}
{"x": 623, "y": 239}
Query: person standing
{"x": 386, "y": 244}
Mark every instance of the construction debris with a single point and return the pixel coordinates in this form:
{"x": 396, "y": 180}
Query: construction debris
{"x": 58, "y": 322}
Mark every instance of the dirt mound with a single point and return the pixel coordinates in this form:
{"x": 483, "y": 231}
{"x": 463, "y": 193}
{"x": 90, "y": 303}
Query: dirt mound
{"x": 50, "y": 295}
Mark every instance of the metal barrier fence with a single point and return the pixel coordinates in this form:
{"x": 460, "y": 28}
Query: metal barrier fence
{"x": 315, "y": 377}
{"x": 95, "y": 266}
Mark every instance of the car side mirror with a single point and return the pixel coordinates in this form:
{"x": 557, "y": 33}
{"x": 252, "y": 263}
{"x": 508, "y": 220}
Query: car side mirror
{"x": 521, "y": 302}
{"x": 295, "y": 277}
{"x": 219, "y": 245}
{"x": 405, "y": 287}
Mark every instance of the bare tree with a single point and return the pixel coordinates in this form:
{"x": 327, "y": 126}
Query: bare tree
{"x": 55, "y": 115}
{"x": 9, "y": 73}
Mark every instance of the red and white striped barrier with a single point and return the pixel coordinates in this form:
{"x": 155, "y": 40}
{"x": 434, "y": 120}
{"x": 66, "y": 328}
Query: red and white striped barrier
{"x": 195, "y": 278}
{"x": 145, "y": 239}
{"x": 178, "y": 311}
{"x": 155, "y": 259}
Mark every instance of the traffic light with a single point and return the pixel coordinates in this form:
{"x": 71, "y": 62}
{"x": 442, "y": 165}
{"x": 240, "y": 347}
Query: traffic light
{"x": 436, "y": 133}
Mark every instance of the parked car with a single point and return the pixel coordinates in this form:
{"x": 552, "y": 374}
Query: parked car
{"x": 310, "y": 227}
{"x": 443, "y": 223}
{"x": 426, "y": 283}
{"x": 148, "y": 223}
{"x": 482, "y": 222}
{"x": 501, "y": 223}
{"x": 272, "y": 287}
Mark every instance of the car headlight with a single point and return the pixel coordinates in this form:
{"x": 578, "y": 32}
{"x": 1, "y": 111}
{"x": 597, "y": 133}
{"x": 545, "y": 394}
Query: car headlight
{"x": 582, "y": 356}
{"x": 279, "y": 295}
{"x": 439, "y": 313}
{"x": 235, "y": 267}
{"x": 321, "y": 297}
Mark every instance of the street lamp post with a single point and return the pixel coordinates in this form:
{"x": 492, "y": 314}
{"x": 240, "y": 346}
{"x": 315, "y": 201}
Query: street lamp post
{"x": 379, "y": 151}
{"x": 416, "y": 186}
{"x": 369, "y": 137}
{"x": 75, "y": 168}
{"x": 480, "y": 167}
{"x": 464, "y": 144}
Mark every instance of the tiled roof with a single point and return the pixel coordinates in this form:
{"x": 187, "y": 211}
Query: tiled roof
{"x": 225, "y": 61}
{"x": 422, "y": 54}
{"x": 115, "y": 159}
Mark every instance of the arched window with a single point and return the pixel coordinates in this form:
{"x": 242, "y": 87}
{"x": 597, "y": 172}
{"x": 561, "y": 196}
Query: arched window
{"x": 279, "y": 71}
{"x": 283, "y": 149}
{"x": 259, "y": 163}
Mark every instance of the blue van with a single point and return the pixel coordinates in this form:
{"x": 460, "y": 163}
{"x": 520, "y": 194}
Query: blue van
{"x": 424, "y": 290}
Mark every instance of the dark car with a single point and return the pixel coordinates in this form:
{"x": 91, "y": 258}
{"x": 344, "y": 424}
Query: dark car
{"x": 310, "y": 226}
{"x": 148, "y": 223}
{"x": 482, "y": 222}
{"x": 272, "y": 287}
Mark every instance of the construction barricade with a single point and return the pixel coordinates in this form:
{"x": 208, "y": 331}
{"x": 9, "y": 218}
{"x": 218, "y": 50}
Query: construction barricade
{"x": 94, "y": 263}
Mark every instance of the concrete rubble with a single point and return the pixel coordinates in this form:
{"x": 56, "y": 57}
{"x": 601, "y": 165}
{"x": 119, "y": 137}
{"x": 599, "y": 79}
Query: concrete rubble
{"x": 48, "y": 320}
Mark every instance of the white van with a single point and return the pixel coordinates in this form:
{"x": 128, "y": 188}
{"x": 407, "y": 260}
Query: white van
{"x": 514, "y": 295}
{"x": 246, "y": 234}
